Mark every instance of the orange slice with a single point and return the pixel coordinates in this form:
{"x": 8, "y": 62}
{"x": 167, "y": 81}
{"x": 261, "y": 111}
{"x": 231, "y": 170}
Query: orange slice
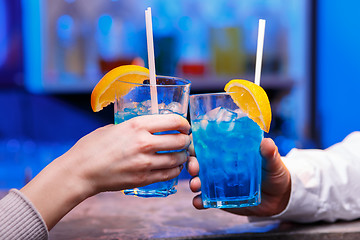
{"x": 104, "y": 92}
{"x": 251, "y": 99}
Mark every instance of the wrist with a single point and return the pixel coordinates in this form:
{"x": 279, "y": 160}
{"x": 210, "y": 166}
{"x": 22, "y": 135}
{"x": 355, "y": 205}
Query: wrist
{"x": 72, "y": 179}
{"x": 55, "y": 191}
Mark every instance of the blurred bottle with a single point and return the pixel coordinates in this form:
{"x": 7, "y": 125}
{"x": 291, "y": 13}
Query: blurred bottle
{"x": 226, "y": 38}
{"x": 166, "y": 38}
{"x": 165, "y": 53}
{"x": 88, "y": 20}
{"x": 193, "y": 48}
{"x": 275, "y": 43}
{"x": 70, "y": 60}
{"x": 114, "y": 36}
{"x": 226, "y": 46}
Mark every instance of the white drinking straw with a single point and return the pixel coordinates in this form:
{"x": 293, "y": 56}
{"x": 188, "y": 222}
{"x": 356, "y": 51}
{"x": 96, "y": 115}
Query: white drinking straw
{"x": 259, "y": 51}
{"x": 151, "y": 58}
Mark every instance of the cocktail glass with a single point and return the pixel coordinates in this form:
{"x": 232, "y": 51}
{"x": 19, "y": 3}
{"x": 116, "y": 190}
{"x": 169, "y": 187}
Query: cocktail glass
{"x": 227, "y": 146}
{"x": 173, "y": 97}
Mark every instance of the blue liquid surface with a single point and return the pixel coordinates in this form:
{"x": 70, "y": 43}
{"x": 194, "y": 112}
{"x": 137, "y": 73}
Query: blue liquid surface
{"x": 159, "y": 189}
{"x": 230, "y": 162}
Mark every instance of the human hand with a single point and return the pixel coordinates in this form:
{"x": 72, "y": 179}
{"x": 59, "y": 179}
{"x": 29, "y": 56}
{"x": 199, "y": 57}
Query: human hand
{"x": 275, "y": 188}
{"x": 123, "y": 156}
{"x": 111, "y": 158}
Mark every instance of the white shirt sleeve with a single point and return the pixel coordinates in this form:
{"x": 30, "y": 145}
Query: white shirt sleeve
{"x": 325, "y": 183}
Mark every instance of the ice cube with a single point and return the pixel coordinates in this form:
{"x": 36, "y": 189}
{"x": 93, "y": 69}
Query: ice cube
{"x": 162, "y": 106}
{"x": 195, "y": 126}
{"x": 175, "y": 107}
{"x": 203, "y": 124}
{"x": 146, "y": 103}
{"x": 128, "y": 107}
{"x": 225, "y": 115}
{"x": 199, "y": 117}
{"x": 165, "y": 111}
{"x": 211, "y": 115}
{"x": 143, "y": 108}
{"x": 240, "y": 113}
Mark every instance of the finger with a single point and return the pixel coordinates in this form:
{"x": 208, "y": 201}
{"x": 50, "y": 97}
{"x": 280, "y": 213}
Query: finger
{"x": 193, "y": 166}
{"x": 168, "y": 142}
{"x": 197, "y": 202}
{"x": 276, "y": 177}
{"x": 191, "y": 147}
{"x": 195, "y": 184}
{"x": 270, "y": 152}
{"x": 168, "y": 160}
{"x": 162, "y": 122}
{"x": 165, "y": 174}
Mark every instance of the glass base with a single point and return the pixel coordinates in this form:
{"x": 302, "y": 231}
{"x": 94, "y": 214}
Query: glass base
{"x": 250, "y": 202}
{"x": 159, "y": 189}
{"x": 149, "y": 193}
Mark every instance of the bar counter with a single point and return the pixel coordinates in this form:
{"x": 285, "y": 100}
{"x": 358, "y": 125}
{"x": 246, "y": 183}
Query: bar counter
{"x": 116, "y": 216}
{"x": 113, "y": 215}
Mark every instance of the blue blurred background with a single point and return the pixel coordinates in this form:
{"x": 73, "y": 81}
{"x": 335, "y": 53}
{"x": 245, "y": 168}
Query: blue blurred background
{"x": 53, "y": 52}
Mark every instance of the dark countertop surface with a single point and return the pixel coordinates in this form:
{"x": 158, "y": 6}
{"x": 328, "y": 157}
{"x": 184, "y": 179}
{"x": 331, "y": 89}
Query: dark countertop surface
{"x": 116, "y": 216}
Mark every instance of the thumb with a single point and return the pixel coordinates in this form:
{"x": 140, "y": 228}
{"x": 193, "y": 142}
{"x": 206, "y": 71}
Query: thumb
{"x": 275, "y": 174}
{"x": 270, "y": 153}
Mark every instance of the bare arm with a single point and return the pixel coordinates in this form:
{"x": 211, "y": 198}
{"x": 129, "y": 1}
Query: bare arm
{"x": 111, "y": 158}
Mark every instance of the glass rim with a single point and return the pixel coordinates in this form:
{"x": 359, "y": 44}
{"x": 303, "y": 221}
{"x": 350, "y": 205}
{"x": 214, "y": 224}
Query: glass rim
{"x": 210, "y": 94}
{"x": 185, "y": 82}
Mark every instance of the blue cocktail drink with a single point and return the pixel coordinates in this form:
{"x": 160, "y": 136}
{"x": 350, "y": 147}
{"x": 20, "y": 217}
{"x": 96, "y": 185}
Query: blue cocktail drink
{"x": 173, "y": 97}
{"x": 227, "y": 146}
{"x": 160, "y": 189}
